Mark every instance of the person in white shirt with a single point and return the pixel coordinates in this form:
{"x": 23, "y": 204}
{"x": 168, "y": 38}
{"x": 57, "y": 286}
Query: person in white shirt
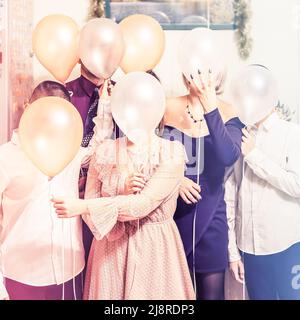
{"x": 41, "y": 256}
{"x": 263, "y": 208}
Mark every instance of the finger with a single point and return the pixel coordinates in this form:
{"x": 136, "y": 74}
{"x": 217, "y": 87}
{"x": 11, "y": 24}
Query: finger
{"x": 210, "y": 78}
{"x": 195, "y": 194}
{"x": 196, "y": 187}
{"x": 241, "y": 272}
{"x": 138, "y": 180}
{"x": 190, "y": 197}
{"x": 246, "y": 133}
{"x": 60, "y": 211}
{"x": 59, "y": 207}
{"x": 245, "y": 139}
{"x": 136, "y": 184}
{"x": 197, "y": 85}
{"x": 136, "y": 189}
{"x": 238, "y": 279}
{"x": 184, "y": 198}
{"x": 139, "y": 175}
{"x": 202, "y": 81}
{"x": 58, "y": 200}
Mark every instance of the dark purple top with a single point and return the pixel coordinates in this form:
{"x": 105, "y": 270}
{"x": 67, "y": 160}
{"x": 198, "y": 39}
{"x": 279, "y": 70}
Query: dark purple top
{"x": 81, "y": 90}
{"x": 218, "y": 150}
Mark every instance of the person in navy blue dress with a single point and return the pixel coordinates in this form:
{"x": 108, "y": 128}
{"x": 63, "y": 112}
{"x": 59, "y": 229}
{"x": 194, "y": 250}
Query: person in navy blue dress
{"x": 212, "y": 134}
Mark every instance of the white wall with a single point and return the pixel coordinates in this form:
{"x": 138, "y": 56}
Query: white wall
{"x": 77, "y": 9}
{"x": 275, "y": 33}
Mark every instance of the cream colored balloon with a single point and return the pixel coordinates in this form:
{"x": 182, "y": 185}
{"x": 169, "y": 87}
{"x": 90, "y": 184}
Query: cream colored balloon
{"x": 101, "y": 47}
{"x": 144, "y": 41}
{"x": 51, "y": 132}
{"x": 55, "y": 44}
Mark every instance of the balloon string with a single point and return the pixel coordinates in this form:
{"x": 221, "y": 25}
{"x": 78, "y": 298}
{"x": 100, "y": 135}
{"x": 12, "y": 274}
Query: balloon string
{"x": 195, "y": 219}
{"x": 243, "y": 174}
{"x": 52, "y": 242}
{"x": 63, "y": 260}
{"x": 208, "y": 13}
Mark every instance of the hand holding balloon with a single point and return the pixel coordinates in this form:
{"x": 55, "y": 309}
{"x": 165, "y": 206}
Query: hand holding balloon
{"x": 200, "y": 50}
{"x": 205, "y": 90}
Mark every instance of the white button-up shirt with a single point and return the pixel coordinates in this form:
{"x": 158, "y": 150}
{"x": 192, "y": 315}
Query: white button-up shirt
{"x": 37, "y": 248}
{"x": 263, "y": 193}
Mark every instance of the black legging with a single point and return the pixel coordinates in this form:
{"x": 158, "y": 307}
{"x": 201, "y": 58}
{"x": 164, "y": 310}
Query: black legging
{"x": 210, "y": 286}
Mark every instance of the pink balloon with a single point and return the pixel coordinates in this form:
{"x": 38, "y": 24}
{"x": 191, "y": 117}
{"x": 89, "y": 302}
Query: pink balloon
{"x": 138, "y": 105}
{"x": 101, "y": 47}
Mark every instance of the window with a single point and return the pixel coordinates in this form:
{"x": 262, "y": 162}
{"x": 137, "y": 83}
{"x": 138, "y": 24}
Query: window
{"x": 176, "y": 14}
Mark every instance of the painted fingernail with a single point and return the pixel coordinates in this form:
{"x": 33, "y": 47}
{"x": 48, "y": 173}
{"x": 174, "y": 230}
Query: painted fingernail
{"x": 192, "y": 77}
{"x": 199, "y": 72}
{"x": 189, "y": 82}
{"x": 209, "y": 71}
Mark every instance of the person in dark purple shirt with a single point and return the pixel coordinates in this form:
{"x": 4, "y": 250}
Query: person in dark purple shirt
{"x": 85, "y": 93}
{"x": 212, "y": 135}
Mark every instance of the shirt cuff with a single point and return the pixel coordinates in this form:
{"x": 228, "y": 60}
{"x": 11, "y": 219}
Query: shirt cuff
{"x": 253, "y": 157}
{"x": 234, "y": 255}
{"x": 212, "y": 113}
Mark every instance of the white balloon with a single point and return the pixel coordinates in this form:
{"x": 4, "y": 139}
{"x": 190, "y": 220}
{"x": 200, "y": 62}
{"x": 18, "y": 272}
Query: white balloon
{"x": 255, "y": 93}
{"x": 200, "y": 50}
{"x": 138, "y": 104}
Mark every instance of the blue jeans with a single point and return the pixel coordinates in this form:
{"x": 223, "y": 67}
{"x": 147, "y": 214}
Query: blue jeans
{"x": 275, "y": 276}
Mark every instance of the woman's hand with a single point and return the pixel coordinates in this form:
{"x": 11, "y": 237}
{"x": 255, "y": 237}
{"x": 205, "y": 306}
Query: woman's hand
{"x": 134, "y": 183}
{"x": 189, "y": 191}
{"x": 237, "y": 271}
{"x": 69, "y": 208}
{"x": 206, "y": 91}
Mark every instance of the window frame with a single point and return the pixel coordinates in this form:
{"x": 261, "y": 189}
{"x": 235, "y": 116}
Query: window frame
{"x": 178, "y": 26}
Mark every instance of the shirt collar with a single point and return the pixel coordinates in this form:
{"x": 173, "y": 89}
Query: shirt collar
{"x": 87, "y": 86}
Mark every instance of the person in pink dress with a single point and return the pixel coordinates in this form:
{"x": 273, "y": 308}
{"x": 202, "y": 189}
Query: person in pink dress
{"x": 137, "y": 252}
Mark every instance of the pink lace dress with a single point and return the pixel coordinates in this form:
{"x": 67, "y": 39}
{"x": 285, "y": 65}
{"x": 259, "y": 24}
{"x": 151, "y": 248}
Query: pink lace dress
{"x": 137, "y": 253}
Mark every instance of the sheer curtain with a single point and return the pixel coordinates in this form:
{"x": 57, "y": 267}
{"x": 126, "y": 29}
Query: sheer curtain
{"x": 16, "y": 18}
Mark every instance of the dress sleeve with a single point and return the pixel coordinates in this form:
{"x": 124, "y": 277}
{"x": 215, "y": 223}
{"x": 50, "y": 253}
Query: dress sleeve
{"x": 227, "y": 137}
{"x": 104, "y": 125}
{"x": 105, "y": 212}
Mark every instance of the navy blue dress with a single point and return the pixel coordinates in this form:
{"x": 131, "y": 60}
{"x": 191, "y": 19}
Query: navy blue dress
{"x": 217, "y": 151}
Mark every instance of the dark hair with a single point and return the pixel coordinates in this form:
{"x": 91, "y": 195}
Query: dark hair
{"x": 50, "y": 89}
{"x": 152, "y": 73}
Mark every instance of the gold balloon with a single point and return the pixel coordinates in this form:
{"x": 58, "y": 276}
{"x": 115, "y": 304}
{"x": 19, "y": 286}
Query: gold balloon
{"x": 55, "y": 44}
{"x": 144, "y": 41}
{"x": 51, "y": 132}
